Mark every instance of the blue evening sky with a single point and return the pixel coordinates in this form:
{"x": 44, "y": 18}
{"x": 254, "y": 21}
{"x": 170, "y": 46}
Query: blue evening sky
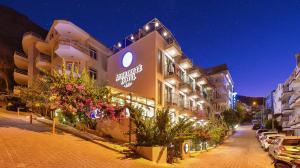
{"x": 257, "y": 39}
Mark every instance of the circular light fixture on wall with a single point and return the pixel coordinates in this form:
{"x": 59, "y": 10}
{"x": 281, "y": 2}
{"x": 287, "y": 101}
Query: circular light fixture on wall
{"x": 127, "y": 59}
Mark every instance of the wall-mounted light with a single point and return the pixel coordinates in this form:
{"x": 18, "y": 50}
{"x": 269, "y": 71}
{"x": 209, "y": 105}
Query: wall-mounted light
{"x": 165, "y": 33}
{"x": 147, "y": 27}
{"x": 119, "y": 44}
{"x": 132, "y": 37}
{"x": 156, "y": 24}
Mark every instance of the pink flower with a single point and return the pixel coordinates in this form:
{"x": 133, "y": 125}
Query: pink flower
{"x": 69, "y": 87}
{"x": 80, "y": 87}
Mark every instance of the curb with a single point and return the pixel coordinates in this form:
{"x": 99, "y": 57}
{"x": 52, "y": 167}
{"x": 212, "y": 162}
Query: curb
{"x": 83, "y": 135}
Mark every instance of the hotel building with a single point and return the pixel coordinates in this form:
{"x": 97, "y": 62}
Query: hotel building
{"x": 151, "y": 64}
{"x": 64, "y": 41}
{"x": 147, "y": 69}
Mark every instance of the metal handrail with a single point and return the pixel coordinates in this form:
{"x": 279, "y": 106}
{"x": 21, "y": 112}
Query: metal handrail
{"x": 76, "y": 44}
{"x": 21, "y": 71}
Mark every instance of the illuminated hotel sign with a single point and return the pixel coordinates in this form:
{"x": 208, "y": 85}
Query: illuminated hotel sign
{"x": 127, "y": 78}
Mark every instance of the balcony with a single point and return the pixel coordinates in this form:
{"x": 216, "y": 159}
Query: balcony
{"x": 44, "y": 47}
{"x": 43, "y": 62}
{"x": 21, "y": 76}
{"x": 185, "y": 63}
{"x": 195, "y": 94}
{"x": 21, "y": 60}
{"x": 29, "y": 38}
{"x": 201, "y": 81}
{"x": 172, "y": 77}
{"x": 173, "y": 50}
{"x": 221, "y": 99}
{"x": 173, "y": 101}
{"x": 286, "y": 92}
{"x": 195, "y": 73}
{"x": 185, "y": 87}
{"x": 71, "y": 49}
{"x": 70, "y": 30}
{"x": 286, "y": 109}
{"x": 294, "y": 100}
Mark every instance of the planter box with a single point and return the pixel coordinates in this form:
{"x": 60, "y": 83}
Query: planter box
{"x": 156, "y": 154}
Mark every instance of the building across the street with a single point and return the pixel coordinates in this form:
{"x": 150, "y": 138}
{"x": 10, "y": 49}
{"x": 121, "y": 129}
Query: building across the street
{"x": 286, "y": 102}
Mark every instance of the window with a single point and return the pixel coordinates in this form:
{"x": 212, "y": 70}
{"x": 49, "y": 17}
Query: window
{"x": 159, "y": 94}
{"x": 93, "y": 73}
{"x": 93, "y": 53}
{"x": 168, "y": 95}
{"x": 69, "y": 66}
{"x": 159, "y": 61}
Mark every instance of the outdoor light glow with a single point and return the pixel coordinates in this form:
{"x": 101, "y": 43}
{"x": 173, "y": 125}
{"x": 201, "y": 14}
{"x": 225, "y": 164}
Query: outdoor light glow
{"x": 132, "y": 38}
{"x": 156, "y": 24}
{"x": 236, "y": 126}
{"x": 184, "y": 65}
{"x": 202, "y": 101}
{"x": 146, "y": 27}
{"x": 165, "y": 34}
{"x": 172, "y": 52}
{"x": 119, "y": 44}
{"x": 172, "y": 82}
{"x": 202, "y": 82}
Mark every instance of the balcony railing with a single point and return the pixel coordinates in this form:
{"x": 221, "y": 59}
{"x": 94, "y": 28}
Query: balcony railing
{"x": 21, "y": 54}
{"x": 44, "y": 58}
{"x": 21, "y": 71}
{"x": 294, "y": 98}
{"x": 173, "y": 99}
{"x": 76, "y": 44}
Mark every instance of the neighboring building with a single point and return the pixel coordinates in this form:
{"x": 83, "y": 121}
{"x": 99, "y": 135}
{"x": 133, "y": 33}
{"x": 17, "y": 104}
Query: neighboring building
{"x": 277, "y": 100}
{"x": 150, "y": 63}
{"x": 64, "y": 41}
{"x": 294, "y": 101}
{"x": 287, "y": 102}
{"x": 269, "y": 102}
{"x": 220, "y": 78}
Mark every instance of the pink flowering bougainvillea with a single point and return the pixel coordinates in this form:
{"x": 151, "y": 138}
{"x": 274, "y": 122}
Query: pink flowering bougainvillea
{"x": 76, "y": 95}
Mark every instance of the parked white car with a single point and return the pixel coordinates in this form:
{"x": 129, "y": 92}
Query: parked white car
{"x": 262, "y": 135}
{"x": 259, "y": 131}
{"x": 285, "y": 148}
{"x": 268, "y": 140}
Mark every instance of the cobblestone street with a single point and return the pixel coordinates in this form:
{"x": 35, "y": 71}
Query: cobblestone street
{"x": 33, "y": 146}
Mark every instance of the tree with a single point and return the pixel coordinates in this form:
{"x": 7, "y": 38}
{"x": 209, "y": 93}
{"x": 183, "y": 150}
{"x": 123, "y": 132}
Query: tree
{"x": 231, "y": 117}
{"x": 159, "y": 130}
{"x": 217, "y": 129}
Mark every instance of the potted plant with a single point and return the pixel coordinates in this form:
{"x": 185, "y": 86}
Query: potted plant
{"x": 153, "y": 135}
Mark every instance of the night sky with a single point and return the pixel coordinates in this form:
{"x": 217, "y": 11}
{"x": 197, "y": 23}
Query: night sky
{"x": 256, "y": 39}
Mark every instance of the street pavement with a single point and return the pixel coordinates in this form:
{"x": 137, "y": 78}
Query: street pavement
{"x": 240, "y": 151}
{"x": 33, "y": 146}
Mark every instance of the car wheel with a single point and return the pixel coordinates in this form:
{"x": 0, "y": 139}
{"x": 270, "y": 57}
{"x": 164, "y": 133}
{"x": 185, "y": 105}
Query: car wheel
{"x": 281, "y": 165}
